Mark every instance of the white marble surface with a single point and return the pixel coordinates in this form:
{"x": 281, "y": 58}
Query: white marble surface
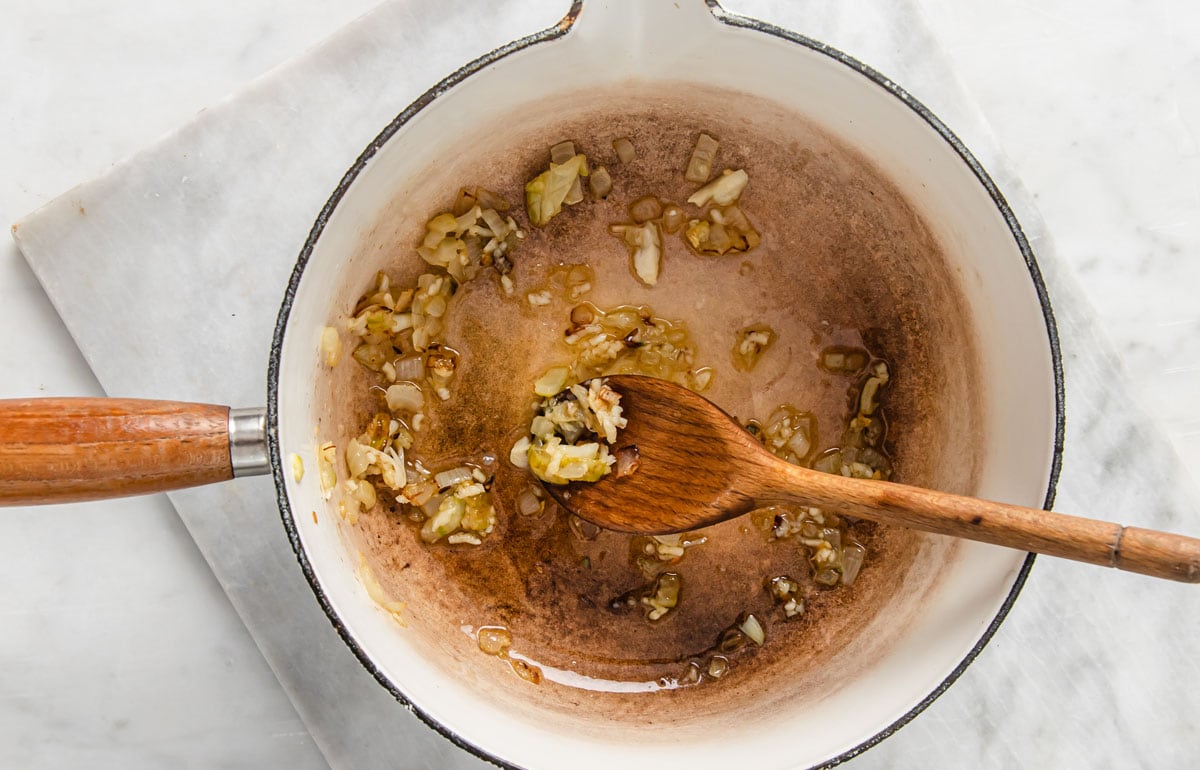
{"x": 113, "y": 661}
{"x": 108, "y": 661}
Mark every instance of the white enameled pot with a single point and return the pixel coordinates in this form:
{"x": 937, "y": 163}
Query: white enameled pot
{"x": 606, "y": 42}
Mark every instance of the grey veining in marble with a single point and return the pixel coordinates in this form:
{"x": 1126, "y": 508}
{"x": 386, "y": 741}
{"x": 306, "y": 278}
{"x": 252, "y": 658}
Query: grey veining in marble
{"x": 193, "y": 238}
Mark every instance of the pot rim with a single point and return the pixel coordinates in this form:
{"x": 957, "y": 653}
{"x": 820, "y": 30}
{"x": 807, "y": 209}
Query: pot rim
{"x": 279, "y": 474}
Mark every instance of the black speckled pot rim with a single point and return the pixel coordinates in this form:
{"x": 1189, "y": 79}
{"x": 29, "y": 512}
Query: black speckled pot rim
{"x": 553, "y": 33}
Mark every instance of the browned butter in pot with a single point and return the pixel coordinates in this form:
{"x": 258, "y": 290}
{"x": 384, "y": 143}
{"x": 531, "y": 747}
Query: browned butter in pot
{"x": 844, "y": 260}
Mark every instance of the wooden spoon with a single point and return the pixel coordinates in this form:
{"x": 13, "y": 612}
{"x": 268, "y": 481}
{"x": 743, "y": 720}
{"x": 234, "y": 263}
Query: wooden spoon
{"x": 696, "y": 466}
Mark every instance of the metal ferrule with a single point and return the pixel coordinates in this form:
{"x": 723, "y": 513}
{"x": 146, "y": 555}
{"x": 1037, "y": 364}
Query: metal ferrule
{"x": 248, "y": 442}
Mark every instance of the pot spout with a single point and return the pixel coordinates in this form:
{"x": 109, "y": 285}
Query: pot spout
{"x": 628, "y": 33}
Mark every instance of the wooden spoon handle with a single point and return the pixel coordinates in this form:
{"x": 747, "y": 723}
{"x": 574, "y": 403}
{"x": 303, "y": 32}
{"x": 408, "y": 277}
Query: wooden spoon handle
{"x": 57, "y": 450}
{"x": 1145, "y": 551}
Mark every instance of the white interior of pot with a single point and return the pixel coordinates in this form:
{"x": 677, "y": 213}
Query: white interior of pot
{"x": 657, "y": 41}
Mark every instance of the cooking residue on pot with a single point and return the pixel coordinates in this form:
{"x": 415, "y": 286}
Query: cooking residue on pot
{"x": 422, "y": 472}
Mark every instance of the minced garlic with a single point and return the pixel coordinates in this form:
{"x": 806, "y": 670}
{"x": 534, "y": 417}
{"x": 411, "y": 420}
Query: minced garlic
{"x": 571, "y": 433}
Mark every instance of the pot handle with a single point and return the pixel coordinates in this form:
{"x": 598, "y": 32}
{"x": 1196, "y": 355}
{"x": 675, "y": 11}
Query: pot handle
{"x": 59, "y": 450}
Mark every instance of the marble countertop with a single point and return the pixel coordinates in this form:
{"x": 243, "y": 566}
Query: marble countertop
{"x": 112, "y": 661}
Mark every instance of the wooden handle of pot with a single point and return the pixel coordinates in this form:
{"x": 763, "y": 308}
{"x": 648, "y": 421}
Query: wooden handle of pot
{"x": 58, "y": 450}
{"x": 1145, "y": 551}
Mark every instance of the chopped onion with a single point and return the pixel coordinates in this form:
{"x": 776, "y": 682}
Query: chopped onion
{"x": 418, "y": 493}
{"x": 645, "y": 249}
{"x": 830, "y": 462}
{"x": 331, "y": 345}
{"x": 364, "y": 492}
{"x": 600, "y": 183}
{"x": 326, "y": 457}
{"x": 753, "y": 629}
{"x": 853, "y": 556}
{"x": 410, "y": 368}
{"x": 519, "y": 455}
{"x": 783, "y": 588}
{"x": 841, "y": 360}
{"x": 400, "y": 322}
{"x": 867, "y": 402}
{"x": 827, "y": 577}
{"x": 372, "y": 356}
{"x": 431, "y": 505}
{"x": 349, "y": 508}
{"x": 672, "y": 218}
{"x": 553, "y": 381}
{"x": 575, "y": 194}
{"x": 445, "y": 520}
{"x": 624, "y": 150}
{"x": 490, "y": 200}
{"x": 724, "y": 231}
{"x": 732, "y": 640}
{"x": 465, "y": 201}
{"x": 645, "y": 209}
{"x": 546, "y": 193}
{"x": 799, "y": 443}
{"x": 528, "y": 503}
{"x": 405, "y": 397}
{"x": 358, "y": 458}
{"x": 495, "y": 223}
{"x": 718, "y": 667}
{"x": 464, "y": 491}
{"x": 582, "y": 315}
{"x": 436, "y": 306}
{"x": 665, "y": 596}
{"x": 541, "y": 427}
{"x": 453, "y": 476}
{"x": 441, "y": 363}
{"x": 647, "y": 260}
{"x": 562, "y": 152}
{"x": 364, "y": 459}
{"x": 699, "y": 166}
{"x": 723, "y": 190}
{"x": 667, "y": 552}
{"x": 468, "y": 219}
